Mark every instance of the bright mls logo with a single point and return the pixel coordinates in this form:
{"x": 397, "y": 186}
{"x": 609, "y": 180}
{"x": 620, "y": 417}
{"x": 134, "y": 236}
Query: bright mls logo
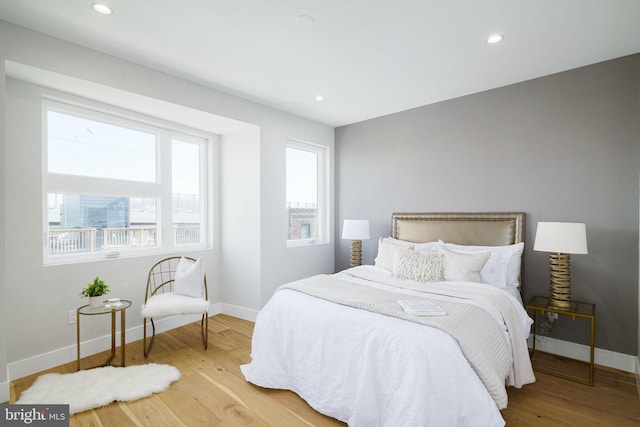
{"x": 34, "y": 415}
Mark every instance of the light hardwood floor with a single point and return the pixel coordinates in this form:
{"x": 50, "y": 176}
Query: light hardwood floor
{"x": 213, "y": 392}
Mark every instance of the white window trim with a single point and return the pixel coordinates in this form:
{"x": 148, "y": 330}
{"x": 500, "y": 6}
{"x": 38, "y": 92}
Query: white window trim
{"x": 323, "y": 192}
{"x": 61, "y": 183}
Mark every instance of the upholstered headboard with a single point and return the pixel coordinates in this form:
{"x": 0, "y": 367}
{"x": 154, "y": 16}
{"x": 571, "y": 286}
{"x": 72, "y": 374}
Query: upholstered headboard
{"x": 485, "y": 229}
{"x": 478, "y": 229}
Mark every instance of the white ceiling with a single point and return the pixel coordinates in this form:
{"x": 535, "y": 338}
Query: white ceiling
{"x": 368, "y": 58}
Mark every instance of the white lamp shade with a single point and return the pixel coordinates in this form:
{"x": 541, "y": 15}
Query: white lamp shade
{"x": 355, "y": 229}
{"x": 561, "y": 237}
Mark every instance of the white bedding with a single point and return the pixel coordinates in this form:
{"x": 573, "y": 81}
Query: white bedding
{"x": 368, "y": 369}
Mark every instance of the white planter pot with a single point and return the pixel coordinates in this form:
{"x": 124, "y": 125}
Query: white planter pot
{"x": 96, "y": 301}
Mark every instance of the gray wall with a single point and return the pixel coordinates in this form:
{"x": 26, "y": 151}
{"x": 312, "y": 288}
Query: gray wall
{"x": 560, "y": 148}
{"x": 4, "y": 382}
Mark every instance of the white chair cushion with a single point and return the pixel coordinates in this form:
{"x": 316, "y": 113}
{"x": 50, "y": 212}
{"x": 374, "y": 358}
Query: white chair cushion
{"x": 168, "y": 303}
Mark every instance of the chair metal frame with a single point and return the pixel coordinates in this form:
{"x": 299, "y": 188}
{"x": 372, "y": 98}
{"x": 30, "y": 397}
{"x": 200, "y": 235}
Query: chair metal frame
{"x": 160, "y": 279}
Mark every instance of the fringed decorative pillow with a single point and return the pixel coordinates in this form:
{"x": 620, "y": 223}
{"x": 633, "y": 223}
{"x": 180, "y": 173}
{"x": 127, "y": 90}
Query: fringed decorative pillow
{"x": 418, "y": 266}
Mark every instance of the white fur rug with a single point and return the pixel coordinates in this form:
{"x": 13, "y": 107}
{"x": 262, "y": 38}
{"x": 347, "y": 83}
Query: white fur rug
{"x": 97, "y": 387}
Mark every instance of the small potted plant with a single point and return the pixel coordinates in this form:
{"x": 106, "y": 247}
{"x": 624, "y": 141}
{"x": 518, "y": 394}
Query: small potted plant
{"x": 95, "y": 291}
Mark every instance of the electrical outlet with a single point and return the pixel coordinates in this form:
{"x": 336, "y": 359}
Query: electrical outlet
{"x": 72, "y": 317}
{"x": 552, "y": 316}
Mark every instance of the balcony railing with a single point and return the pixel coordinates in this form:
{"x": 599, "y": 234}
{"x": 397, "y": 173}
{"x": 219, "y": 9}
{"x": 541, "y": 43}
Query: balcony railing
{"x": 74, "y": 240}
{"x": 186, "y": 234}
{"x": 143, "y": 237}
{"x": 70, "y": 240}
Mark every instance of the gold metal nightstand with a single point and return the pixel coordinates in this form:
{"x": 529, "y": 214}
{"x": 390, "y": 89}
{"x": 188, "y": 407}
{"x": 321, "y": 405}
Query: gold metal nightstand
{"x": 121, "y": 307}
{"x": 540, "y": 305}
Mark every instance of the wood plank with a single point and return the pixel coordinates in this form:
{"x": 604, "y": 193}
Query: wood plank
{"x": 151, "y": 411}
{"x": 213, "y": 391}
{"x": 612, "y": 400}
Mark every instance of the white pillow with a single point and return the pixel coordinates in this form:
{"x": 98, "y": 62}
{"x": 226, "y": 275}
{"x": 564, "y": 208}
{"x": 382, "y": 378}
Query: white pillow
{"x": 189, "y": 278}
{"x": 398, "y": 241}
{"x": 503, "y": 267}
{"x": 387, "y": 249}
{"x": 432, "y": 247}
{"x": 515, "y": 264}
{"x": 419, "y": 266}
{"x": 464, "y": 267}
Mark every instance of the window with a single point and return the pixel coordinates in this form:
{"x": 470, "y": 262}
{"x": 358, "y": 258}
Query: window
{"x": 116, "y": 186}
{"x": 185, "y": 200}
{"x": 305, "y": 231}
{"x": 307, "y": 207}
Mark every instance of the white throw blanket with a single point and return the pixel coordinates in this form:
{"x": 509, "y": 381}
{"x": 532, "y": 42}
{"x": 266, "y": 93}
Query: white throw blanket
{"x": 481, "y": 341}
{"x": 522, "y": 372}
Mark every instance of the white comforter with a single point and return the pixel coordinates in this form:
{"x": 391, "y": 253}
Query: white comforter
{"x": 368, "y": 369}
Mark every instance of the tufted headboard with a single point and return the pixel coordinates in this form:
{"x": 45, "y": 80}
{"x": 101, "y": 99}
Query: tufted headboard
{"x": 462, "y": 228}
{"x": 485, "y": 229}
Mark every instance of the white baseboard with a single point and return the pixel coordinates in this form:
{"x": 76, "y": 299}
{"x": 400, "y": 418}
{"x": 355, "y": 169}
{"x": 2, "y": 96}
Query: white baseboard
{"x": 41, "y": 362}
{"x": 239, "y": 312}
{"x": 5, "y": 392}
{"x": 638, "y": 374}
{"x": 5, "y": 389}
{"x": 610, "y": 359}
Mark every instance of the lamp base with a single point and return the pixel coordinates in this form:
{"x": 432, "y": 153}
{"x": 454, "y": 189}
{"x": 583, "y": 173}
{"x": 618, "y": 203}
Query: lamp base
{"x": 560, "y": 281}
{"x": 356, "y": 253}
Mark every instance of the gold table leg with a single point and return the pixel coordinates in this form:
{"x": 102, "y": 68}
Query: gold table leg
{"x": 78, "y": 337}
{"x": 122, "y": 332}
{"x": 113, "y": 335}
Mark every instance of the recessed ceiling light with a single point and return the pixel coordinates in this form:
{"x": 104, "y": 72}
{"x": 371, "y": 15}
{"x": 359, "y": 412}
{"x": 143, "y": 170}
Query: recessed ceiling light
{"x": 102, "y": 8}
{"x": 319, "y": 98}
{"x": 496, "y": 38}
{"x": 304, "y": 21}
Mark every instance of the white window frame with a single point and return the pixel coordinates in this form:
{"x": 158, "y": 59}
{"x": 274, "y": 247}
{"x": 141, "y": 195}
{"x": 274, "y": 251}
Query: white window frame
{"x": 161, "y": 189}
{"x": 323, "y": 228}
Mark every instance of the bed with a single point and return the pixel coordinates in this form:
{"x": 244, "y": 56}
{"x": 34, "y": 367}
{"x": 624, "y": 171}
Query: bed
{"x": 344, "y": 343}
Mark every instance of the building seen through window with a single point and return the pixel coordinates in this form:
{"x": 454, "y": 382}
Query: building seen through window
{"x": 133, "y": 192}
{"x": 85, "y": 223}
{"x": 303, "y": 220}
{"x": 306, "y": 193}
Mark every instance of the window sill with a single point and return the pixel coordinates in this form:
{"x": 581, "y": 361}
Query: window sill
{"x": 305, "y": 242}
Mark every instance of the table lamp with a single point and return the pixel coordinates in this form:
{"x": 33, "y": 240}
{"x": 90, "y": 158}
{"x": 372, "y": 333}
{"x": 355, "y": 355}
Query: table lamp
{"x": 356, "y": 230}
{"x": 561, "y": 239}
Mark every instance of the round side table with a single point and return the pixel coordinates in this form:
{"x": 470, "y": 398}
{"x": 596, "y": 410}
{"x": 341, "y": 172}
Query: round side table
{"x": 113, "y": 308}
